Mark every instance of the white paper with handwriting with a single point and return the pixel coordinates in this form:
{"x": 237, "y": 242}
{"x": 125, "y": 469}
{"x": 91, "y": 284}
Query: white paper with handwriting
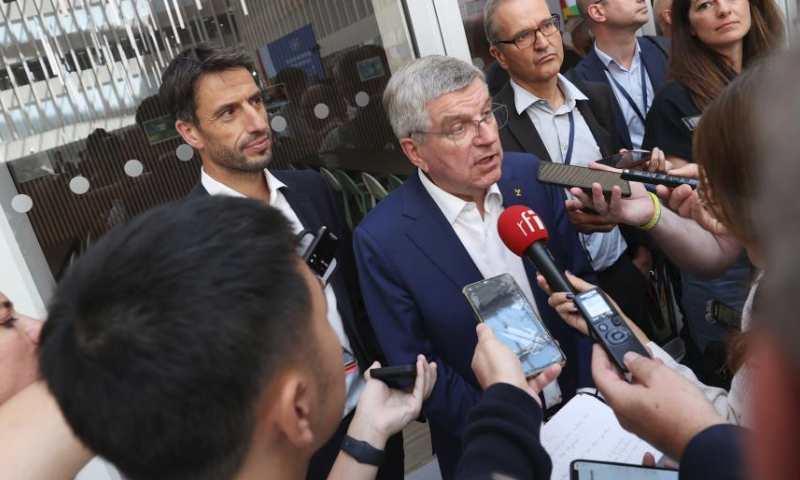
{"x": 586, "y": 428}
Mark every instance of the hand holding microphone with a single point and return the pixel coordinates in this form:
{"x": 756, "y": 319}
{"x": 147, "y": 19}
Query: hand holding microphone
{"x": 525, "y": 234}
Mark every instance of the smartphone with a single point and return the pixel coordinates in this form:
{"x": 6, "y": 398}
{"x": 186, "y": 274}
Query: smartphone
{"x": 724, "y": 314}
{"x": 320, "y": 253}
{"x": 396, "y": 372}
{"x": 499, "y": 303}
{"x": 597, "y": 470}
{"x": 629, "y": 159}
{"x": 569, "y": 176}
{"x": 608, "y": 327}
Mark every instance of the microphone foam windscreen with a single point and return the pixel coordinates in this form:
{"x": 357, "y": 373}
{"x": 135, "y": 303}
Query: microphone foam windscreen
{"x": 519, "y": 227}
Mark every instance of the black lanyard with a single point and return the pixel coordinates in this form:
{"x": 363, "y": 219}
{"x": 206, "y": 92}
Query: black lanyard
{"x": 627, "y": 95}
{"x": 568, "y": 158}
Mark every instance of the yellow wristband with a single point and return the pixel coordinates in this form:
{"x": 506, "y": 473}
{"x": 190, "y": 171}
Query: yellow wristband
{"x": 656, "y": 213}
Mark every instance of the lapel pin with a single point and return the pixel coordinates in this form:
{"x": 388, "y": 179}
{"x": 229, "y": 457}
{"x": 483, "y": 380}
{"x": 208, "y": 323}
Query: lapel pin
{"x": 518, "y": 192}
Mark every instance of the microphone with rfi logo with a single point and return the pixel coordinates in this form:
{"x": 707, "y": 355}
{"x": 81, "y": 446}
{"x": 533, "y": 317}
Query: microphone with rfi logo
{"x": 524, "y": 233}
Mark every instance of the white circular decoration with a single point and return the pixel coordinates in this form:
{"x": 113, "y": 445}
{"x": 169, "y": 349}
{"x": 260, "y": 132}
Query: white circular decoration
{"x": 22, "y": 203}
{"x": 133, "y": 168}
{"x": 79, "y": 185}
{"x": 362, "y": 99}
{"x": 321, "y": 111}
{"x": 279, "y": 123}
{"x": 184, "y": 152}
{"x": 478, "y": 62}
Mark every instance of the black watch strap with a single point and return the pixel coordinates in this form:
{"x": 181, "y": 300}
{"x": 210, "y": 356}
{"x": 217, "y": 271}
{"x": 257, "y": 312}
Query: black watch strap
{"x": 362, "y": 451}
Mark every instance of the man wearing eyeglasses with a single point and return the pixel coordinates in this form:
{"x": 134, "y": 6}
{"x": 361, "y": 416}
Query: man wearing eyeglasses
{"x": 633, "y": 67}
{"x": 420, "y": 246}
{"x": 565, "y": 122}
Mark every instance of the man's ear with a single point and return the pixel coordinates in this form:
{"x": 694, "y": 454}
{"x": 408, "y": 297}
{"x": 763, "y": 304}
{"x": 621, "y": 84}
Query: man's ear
{"x": 666, "y": 15}
{"x": 596, "y": 13}
{"x": 411, "y": 149}
{"x": 497, "y": 53}
{"x": 190, "y": 133}
{"x": 291, "y": 409}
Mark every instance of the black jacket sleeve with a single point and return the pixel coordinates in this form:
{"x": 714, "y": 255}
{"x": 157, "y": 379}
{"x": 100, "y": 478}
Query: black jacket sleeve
{"x": 716, "y": 453}
{"x": 502, "y": 437}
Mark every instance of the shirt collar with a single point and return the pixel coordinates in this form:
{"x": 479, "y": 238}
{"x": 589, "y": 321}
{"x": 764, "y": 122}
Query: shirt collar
{"x": 452, "y": 206}
{"x": 214, "y": 187}
{"x": 607, "y": 60}
{"x": 523, "y": 99}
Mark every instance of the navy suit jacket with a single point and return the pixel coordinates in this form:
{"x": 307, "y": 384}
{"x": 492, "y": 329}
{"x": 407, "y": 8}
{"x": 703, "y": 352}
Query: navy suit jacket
{"x": 412, "y": 267}
{"x": 591, "y": 69}
{"x": 313, "y": 202}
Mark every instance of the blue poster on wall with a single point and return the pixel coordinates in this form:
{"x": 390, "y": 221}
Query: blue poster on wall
{"x": 297, "y": 49}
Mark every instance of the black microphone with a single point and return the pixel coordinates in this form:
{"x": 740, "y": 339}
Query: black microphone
{"x": 524, "y": 233}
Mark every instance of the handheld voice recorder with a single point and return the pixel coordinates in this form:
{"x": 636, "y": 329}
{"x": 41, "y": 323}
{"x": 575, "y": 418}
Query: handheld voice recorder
{"x": 608, "y": 327}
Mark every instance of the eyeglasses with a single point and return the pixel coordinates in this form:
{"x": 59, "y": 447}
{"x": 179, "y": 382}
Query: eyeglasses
{"x": 498, "y": 115}
{"x": 528, "y": 37}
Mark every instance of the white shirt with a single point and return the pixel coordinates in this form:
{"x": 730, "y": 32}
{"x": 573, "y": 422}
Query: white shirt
{"x": 480, "y": 238}
{"x": 354, "y": 380}
{"x": 603, "y": 249}
{"x": 631, "y": 81}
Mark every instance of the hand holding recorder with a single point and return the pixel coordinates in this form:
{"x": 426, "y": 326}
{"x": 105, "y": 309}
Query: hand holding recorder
{"x": 563, "y": 303}
{"x": 524, "y": 233}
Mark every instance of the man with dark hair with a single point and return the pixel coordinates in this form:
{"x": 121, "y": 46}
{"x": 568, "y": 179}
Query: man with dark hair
{"x": 219, "y": 111}
{"x": 193, "y": 343}
{"x": 565, "y": 122}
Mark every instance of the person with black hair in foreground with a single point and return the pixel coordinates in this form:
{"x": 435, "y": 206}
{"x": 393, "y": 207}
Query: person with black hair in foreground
{"x": 193, "y": 343}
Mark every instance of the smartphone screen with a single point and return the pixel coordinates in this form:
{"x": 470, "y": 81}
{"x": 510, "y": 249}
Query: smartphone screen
{"x": 629, "y": 159}
{"x": 499, "y": 302}
{"x": 592, "y": 470}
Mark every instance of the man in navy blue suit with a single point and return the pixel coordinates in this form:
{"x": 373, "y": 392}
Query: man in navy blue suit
{"x": 220, "y": 113}
{"x": 437, "y": 233}
{"x": 634, "y": 67}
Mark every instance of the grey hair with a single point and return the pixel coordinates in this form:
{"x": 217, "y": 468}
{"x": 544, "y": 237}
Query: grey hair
{"x": 492, "y": 32}
{"x": 411, "y": 89}
{"x": 778, "y": 204}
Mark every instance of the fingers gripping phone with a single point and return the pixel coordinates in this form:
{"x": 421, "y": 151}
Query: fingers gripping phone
{"x": 569, "y": 176}
{"x": 596, "y": 470}
{"x": 608, "y": 327}
{"x": 629, "y": 159}
{"x": 499, "y": 303}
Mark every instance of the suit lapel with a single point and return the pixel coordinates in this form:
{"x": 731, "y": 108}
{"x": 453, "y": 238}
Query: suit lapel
{"x": 521, "y": 126}
{"x": 598, "y": 132}
{"x": 651, "y": 57}
{"x": 299, "y": 202}
{"x": 435, "y": 237}
{"x": 593, "y": 70}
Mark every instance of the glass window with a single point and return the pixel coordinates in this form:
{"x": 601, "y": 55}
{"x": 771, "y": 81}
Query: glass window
{"x": 91, "y": 145}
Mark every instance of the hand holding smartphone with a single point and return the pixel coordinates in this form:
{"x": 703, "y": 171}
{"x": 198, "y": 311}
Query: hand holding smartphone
{"x": 499, "y": 302}
{"x": 628, "y": 159}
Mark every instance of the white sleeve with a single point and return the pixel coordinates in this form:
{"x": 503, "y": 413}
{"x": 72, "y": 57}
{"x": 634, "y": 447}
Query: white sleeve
{"x": 717, "y": 396}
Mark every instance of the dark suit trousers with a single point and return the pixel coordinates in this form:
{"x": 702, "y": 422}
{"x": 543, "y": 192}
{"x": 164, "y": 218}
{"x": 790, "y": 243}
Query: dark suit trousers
{"x": 393, "y": 467}
{"x": 629, "y": 288}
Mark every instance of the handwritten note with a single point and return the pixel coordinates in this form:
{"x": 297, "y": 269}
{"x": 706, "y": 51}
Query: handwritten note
{"x": 586, "y": 428}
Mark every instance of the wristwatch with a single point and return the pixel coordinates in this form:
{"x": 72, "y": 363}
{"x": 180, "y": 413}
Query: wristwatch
{"x": 362, "y": 451}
